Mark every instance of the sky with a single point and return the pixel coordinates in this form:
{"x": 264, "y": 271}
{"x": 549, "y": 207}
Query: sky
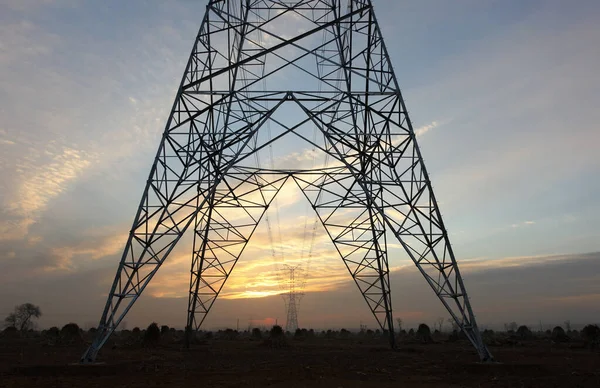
{"x": 503, "y": 97}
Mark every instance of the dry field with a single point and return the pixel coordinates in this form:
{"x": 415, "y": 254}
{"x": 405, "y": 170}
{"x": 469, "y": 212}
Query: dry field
{"x": 316, "y": 362}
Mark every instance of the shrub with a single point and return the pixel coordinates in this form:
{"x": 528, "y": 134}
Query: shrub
{"x": 559, "y": 335}
{"x": 164, "y": 329}
{"x": 53, "y": 331}
{"x": 10, "y": 332}
{"x": 152, "y": 334}
{"x": 591, "y": 334}
{"x": 228, "y": 334}
{"x": 424, "y": 333}
{"x": 70, "y": 329}
{"x": 256, "y": 333}
{"x": 489, "y": 336}
{"x": 457, "y": 335}
{"x": 523, "y": 332}
{"x": 276, "y": 332}
{"x": 70, "y": 333}
{"x": 276, "y": 338}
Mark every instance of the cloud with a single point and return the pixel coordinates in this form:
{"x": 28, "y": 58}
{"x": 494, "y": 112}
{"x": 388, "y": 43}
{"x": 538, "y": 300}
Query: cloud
{"x": 43, "y": 175}
{"x": 426, "y": 128}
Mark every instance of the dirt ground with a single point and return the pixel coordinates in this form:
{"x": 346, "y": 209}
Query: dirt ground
{"x": 317, "y": 363}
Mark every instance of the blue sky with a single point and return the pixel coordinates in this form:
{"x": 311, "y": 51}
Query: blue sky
{"x": 504, "y": 95}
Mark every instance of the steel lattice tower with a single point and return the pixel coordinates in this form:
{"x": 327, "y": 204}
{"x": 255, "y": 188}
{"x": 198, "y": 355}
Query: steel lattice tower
{"x": 259, "y": 71}
{"x": 291, "y": 298}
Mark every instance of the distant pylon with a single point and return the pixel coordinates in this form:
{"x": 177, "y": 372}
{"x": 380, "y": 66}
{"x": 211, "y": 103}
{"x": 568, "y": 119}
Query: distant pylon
{"x": 262, "y": 72}
{"x": 291, "y": 298}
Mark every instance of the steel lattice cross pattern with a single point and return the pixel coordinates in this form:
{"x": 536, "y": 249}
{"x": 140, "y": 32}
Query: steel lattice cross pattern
{"x": 250, "y": 82}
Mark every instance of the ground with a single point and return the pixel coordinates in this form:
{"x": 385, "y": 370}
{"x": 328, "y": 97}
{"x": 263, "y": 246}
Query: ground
{"x": 318, "y": 362}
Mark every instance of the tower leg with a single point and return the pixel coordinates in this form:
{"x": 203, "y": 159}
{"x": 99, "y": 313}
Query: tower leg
{"x": 222, "y": 234}
{"x": 358, "y": 234}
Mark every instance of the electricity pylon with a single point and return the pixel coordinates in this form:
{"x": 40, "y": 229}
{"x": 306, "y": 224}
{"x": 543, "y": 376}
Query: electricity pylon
{"x": 261, "y": 72}
{"x": 291, "y": 298}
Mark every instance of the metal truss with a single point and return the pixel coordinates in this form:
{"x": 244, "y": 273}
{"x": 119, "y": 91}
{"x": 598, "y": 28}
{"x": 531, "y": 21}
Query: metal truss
{"x": 261, "y": 71}
{"x": 291, "y": 297}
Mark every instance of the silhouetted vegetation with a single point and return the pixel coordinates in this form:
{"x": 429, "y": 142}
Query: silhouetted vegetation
{"x": 591, "y": 334}
{"x": 559, "y": 335}
{"x": 22, "y": 317}
{"x": 52, "y": 332}
{"x": 70, "y": 333}
{"x": 256, "y": 333}
{"x": 152, "y": 334}
{"x": 276, "y": 338}
{"x": 424, "y": 333}
{"x": 228, "y": 334}
{"x": 10, "y": 332}
{"x": 523, "y": 332}
{"x": 276, "y": 331}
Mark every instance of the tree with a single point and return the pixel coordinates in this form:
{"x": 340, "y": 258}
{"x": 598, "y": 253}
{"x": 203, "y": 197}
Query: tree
{"x": 399, "y": 321}
{"x": 591, "y": 334}
{"x": 439, "y": 324}
{"x": 22, "y": 317}
{"x": 559, "y": 335}
{"x": 453, "y": 324}
{"x": 424, "y": 333}
{"x": 152, "y": 333}
{"x": 524, "y": 332}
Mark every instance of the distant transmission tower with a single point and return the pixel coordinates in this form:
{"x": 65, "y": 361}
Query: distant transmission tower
{"x": 264, "y": 79}
{"x": 291, "y": 298}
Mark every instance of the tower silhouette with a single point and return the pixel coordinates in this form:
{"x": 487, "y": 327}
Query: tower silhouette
{"x": 291, "y": 298}
{"x": 261, "y": 72}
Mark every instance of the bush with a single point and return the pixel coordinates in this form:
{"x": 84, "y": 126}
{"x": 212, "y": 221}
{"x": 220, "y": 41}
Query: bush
{"x": 276, "y": 338}
{"x": 164, "y": 329}
{"x": 559, "y": 335}
{"x": 591, "y": 334}
{"x": 256, "y": 333}
{"x": 10, "y": 332}
{"x": 276, "y": 332}
{"x": 228, "y": 334}
{"x": 424, "y": 333}
{"x": 489, "y": 337}
{"x": 152, "y": 334}
{"x": 53, "y": 331}
{"x": 70, "y": 333}
{"x": 69, "y": 330}
{"x": 523, "y": 332}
